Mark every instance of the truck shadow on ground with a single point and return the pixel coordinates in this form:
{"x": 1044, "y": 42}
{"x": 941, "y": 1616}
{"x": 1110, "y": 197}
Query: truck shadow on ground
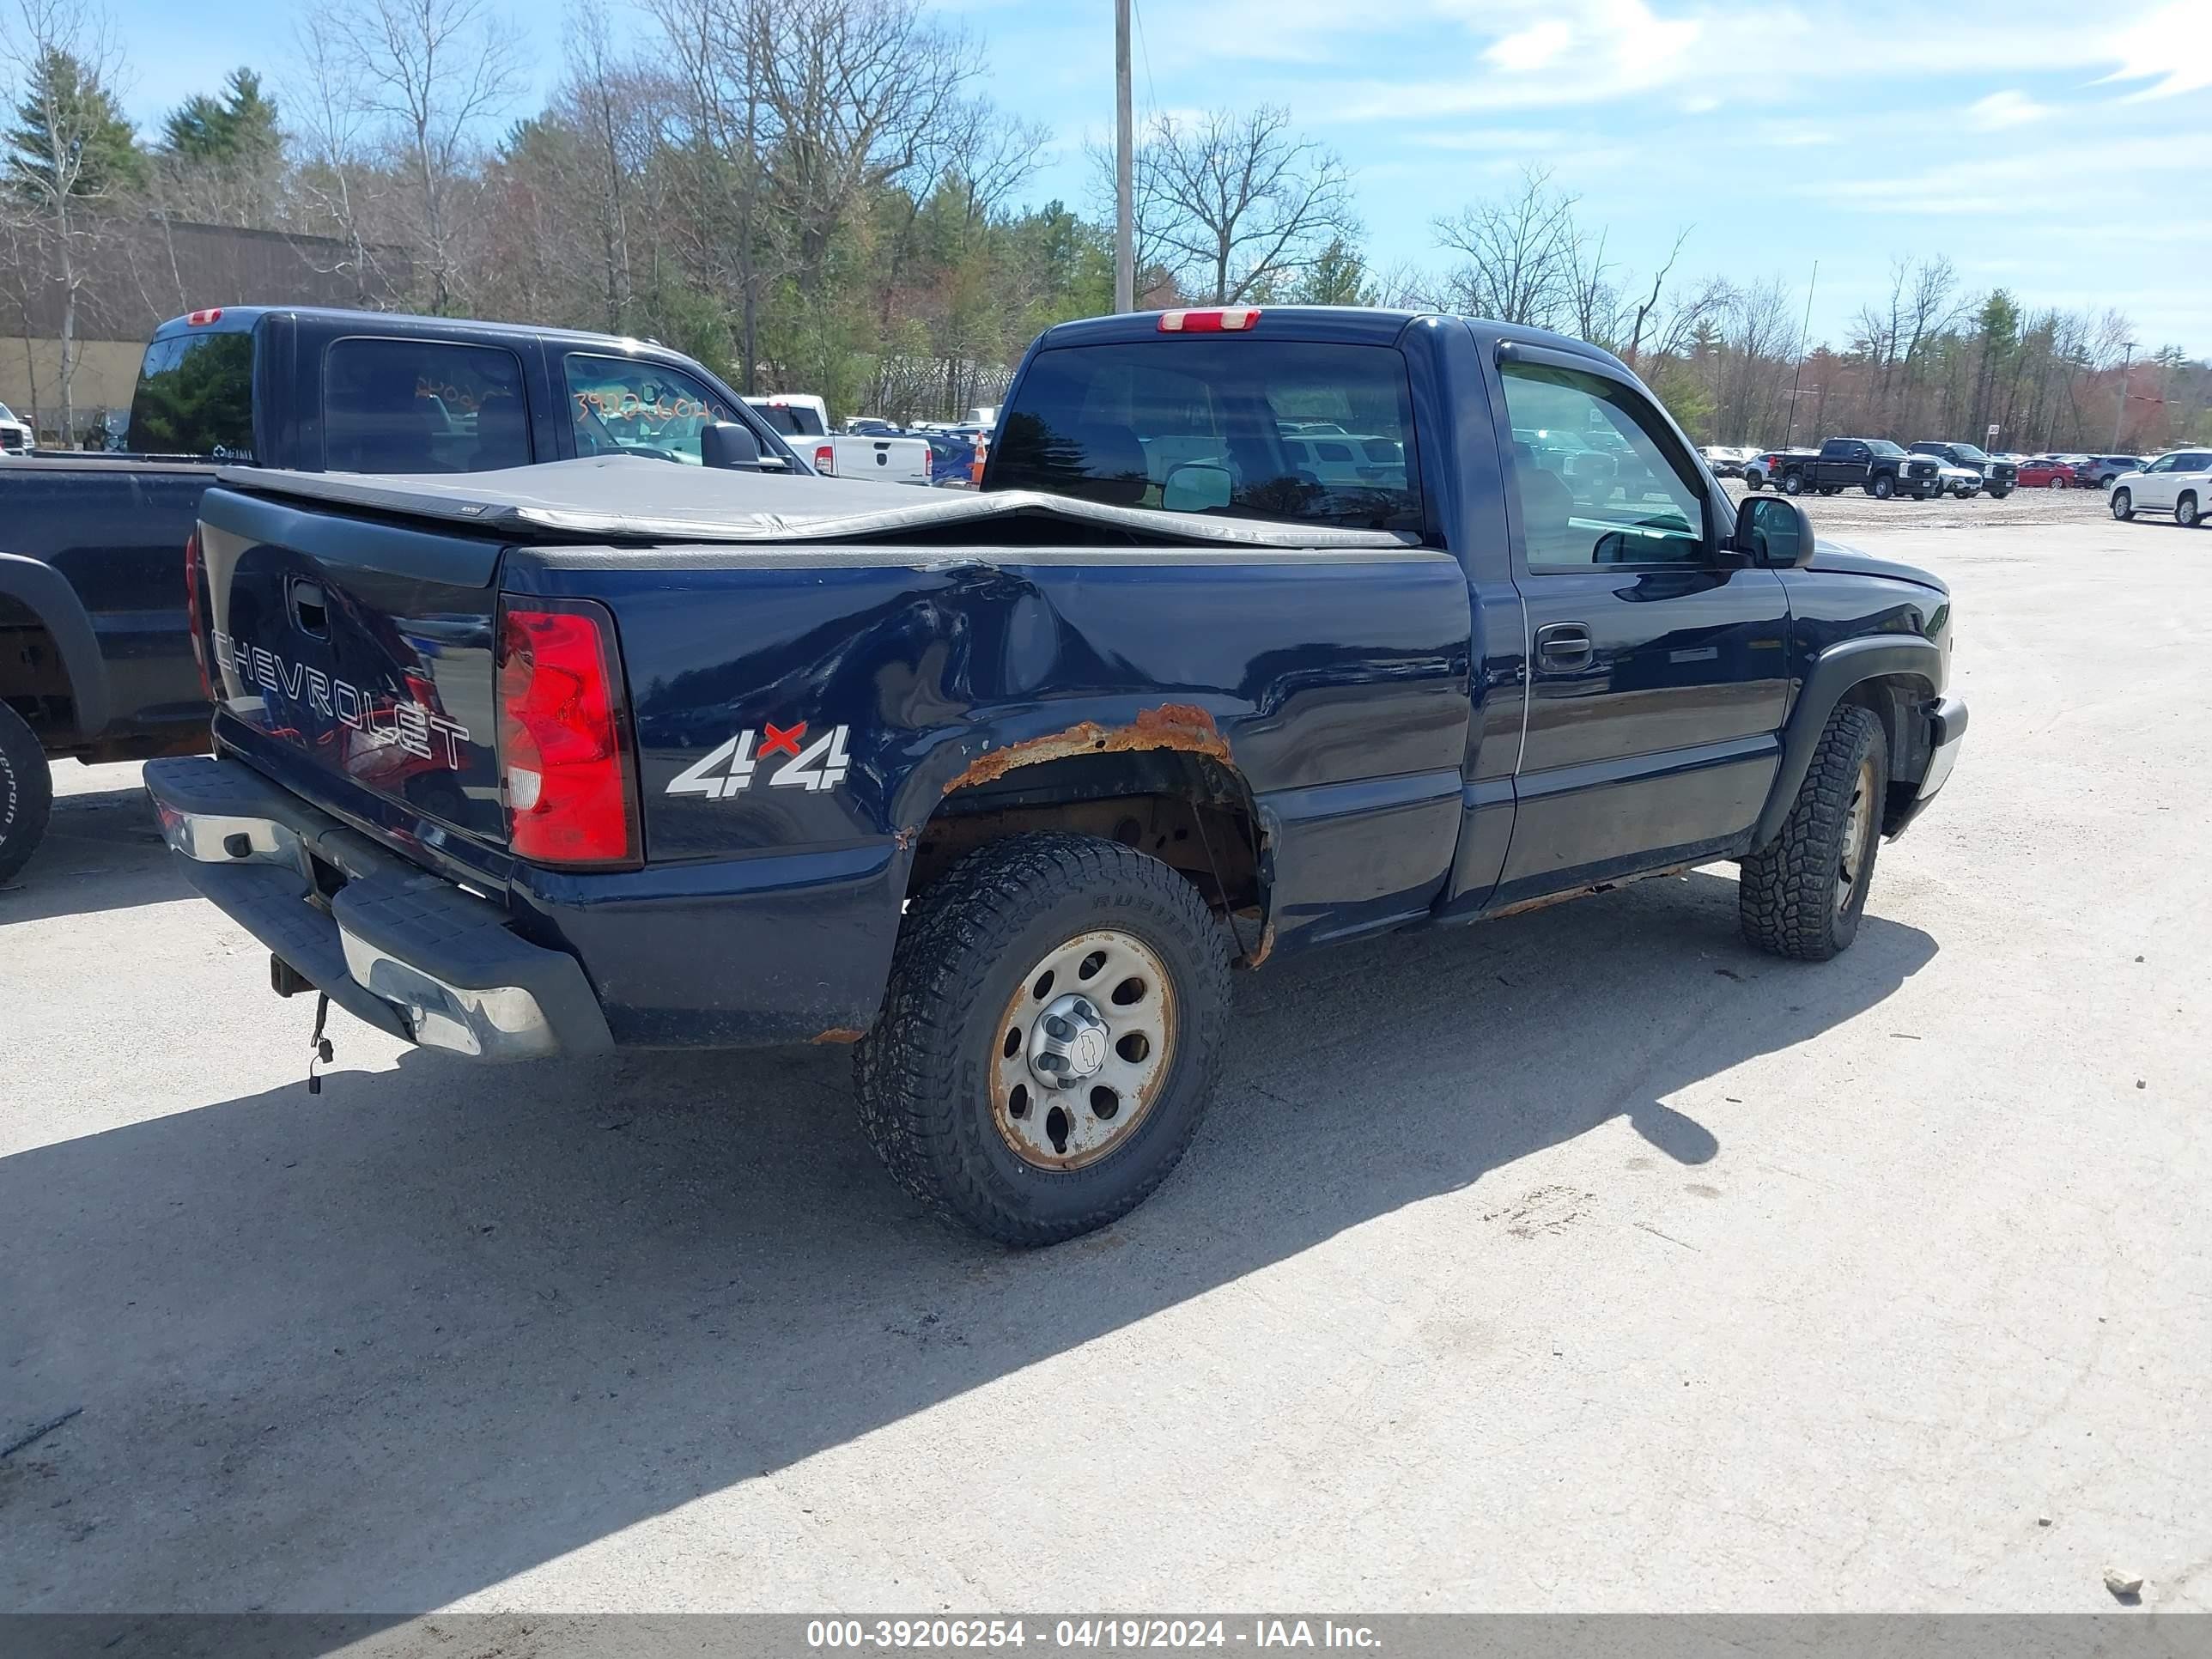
{"x": 394, "y": 1344}
{"x": 102, "y": 851}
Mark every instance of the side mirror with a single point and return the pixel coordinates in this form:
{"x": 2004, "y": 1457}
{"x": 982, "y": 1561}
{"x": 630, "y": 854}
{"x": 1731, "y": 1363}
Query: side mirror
{"x": 1195, "y": 487}
{"x": 1774, "y": 530}
{"x": 729, "y": 444}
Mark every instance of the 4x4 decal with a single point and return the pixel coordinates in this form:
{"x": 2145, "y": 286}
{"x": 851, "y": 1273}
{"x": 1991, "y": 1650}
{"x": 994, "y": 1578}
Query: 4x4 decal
{"x": 728, "y": 769}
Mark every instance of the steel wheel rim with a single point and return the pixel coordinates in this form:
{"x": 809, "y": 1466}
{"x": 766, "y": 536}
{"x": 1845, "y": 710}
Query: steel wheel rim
{"x": 1078, "y": 1057}
{"x": 1858, "y": 821}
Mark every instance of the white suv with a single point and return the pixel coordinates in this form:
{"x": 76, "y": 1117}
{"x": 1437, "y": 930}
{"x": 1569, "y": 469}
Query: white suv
{"x": 2178, "y": 481}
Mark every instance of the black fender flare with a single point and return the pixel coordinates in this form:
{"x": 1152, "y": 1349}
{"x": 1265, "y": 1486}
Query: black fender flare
{"x": 45, "y": 593}
{"x": 1834, "y": 672}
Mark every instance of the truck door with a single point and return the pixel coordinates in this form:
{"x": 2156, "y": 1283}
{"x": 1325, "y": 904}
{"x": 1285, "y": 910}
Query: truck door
{"x": 1658, "y": 660}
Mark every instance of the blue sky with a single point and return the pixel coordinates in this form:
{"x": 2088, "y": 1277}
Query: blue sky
{"x": 2057, "y": 150}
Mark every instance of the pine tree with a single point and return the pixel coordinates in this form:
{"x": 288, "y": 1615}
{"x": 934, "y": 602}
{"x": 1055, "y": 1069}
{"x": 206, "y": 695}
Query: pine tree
{"x": 1337, "y": 276}
{"x": 239, "y": 127}
{"x": 71, "y": 143}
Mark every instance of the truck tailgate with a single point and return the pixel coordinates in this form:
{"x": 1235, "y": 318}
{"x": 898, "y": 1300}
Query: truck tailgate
{"x": 365, "y": 646}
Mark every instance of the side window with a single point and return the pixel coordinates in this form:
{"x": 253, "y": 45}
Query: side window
{"x": 623, "y": 407}
{"x": 423, "y": 406}
{"x": 1595, "y": 486}
{"x": 2163, "y": 463}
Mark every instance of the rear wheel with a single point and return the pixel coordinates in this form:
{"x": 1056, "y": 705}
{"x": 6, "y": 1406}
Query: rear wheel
{"x": 1754, "y": 481}
{"x": 2124, "y": 505}
{"x": 1793, "y": 483}
{"x": 2058, "y": 483}
{"x": 26, "y": 792}
{"x": 2185, "y": 511}
{"x": 1802, "y": 894}
{"x": 1049, "y": 1036}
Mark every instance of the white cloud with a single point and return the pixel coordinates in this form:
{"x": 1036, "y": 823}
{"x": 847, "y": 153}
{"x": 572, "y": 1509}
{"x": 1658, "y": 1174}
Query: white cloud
{"x": 2004, "y": 109}
{"x": 1532, "y": 48}
{"x": 2172, "y": 48}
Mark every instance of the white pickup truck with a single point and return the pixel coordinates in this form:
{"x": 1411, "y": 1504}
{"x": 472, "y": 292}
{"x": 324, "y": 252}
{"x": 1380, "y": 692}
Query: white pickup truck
{"x": 804, "y": 419}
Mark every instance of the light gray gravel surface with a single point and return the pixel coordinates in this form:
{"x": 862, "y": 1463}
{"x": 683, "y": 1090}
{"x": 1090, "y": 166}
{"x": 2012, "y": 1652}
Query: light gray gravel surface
{"x": 1585, "y": 1260}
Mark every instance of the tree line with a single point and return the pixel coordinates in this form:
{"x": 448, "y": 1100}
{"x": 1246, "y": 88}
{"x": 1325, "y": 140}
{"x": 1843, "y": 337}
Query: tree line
{"x": 821, "y": 195}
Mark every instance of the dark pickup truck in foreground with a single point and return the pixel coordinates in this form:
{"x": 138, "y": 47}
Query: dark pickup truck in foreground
{"x": 999, "y": 786}
{"x": 96, "y": 660}
{"x": 1874, "y": 465}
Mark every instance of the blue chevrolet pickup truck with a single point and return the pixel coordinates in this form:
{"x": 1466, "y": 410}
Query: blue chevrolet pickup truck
{"x": 1268, "y": 629}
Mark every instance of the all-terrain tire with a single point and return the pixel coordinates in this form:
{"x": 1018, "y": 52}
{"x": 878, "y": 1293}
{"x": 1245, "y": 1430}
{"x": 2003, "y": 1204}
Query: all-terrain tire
{"x": 1787, "y": 899}
{"x": 26, "y": 792}
{"x": 924, "y": 1074}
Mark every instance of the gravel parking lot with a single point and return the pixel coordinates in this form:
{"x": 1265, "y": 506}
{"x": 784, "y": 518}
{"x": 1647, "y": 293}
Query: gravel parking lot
{"x": 1584, "y": 1259}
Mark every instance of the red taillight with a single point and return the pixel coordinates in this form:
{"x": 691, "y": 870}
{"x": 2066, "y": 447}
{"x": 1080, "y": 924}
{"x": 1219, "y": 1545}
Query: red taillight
{"x": 194, "y": 567}
{"x": 201, "y": 319}
{"x": 825, "y": 459}
{"x": 1227, "y": 320}
{"x": 563, "y": 739}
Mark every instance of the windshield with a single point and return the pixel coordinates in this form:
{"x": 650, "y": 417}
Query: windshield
{"x": 1226, "y": 426}
{"x": 1968, "y": 452}
{"x": 6, "y": 413}
{"x": 1883, "y": 446}
{"x": 195, "y": 397}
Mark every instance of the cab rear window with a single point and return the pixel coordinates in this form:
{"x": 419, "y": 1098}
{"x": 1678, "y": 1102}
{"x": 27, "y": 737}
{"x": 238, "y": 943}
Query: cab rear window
{"x": 1238, "y": 427}
{"x": 195, "y": 397}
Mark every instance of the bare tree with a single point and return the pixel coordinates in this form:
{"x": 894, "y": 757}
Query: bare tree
{"x": 71, "y": 154}
{"x": 336, "y": 187}
{"x": 431, "y": 72}
{"x": 1235, "y": 204}
{"x": 1518, "y": 254}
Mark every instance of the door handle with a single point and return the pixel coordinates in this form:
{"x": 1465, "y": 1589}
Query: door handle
{"x": 310, "y": 610}
{"x": 1562, "y": 646}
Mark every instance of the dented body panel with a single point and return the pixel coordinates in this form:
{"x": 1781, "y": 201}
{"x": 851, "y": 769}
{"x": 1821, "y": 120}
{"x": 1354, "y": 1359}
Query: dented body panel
{"x": 951, "y": 677}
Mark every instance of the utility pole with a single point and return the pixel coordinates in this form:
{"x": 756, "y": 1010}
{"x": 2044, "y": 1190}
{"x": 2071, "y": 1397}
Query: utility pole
{"x": 1125, "y": 234}
{"x": 1803, "y": 334}
{"x": 2120, "y": 409}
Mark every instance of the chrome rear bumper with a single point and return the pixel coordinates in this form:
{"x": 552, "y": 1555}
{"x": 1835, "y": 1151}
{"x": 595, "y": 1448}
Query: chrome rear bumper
{"x": 407, "y": 950}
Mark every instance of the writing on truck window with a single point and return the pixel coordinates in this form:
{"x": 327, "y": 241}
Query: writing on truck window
{"x": 619, "y": 407}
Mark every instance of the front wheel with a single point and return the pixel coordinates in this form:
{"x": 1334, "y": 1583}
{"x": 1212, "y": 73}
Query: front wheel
{"x": 1999, "y": 494}
{"x": 1802, "y": 894}
{"x": 1881, "y": 488}
{"x": 2124, "y": 505}
{"x": 2185, "y": 513}
{"x": 26, "y": 792}
{"x": 1048, "y": 1038}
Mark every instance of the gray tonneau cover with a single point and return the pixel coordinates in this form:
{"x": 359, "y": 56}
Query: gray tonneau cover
{"x": 633, "y": 498}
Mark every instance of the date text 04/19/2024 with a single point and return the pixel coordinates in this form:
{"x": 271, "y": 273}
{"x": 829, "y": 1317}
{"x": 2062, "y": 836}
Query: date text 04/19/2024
{"x": 1070, "y": 1634}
